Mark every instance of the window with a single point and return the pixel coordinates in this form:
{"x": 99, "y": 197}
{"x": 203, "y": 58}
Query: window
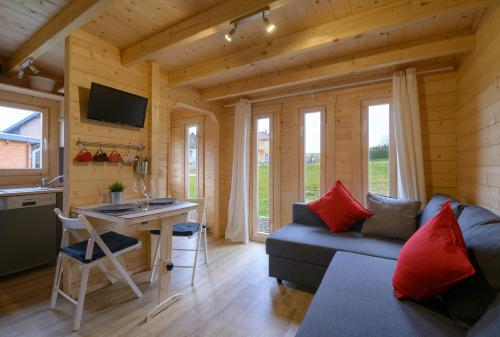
{"x": 192, "y": 161}
{"x": 262, "y": 175}
{"x": 379, "y": 150}
{"x": 312, "y": 154}
{"x": 22, "y": 131}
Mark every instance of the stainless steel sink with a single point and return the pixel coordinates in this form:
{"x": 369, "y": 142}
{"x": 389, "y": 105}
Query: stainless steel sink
{"x": 28, "y": 189}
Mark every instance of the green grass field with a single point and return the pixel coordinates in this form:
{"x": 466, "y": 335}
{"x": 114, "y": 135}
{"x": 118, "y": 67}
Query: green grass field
{"x": 378, "y": 173}
{"x": 378, "y": 170}
{"x": 192, "y": 186}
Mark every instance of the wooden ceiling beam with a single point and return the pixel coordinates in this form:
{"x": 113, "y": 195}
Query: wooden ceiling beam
{"x": 76, "y": 14}
{"x": 378, "y": 19}
{"x": 382, "y": 59}
{"x": 195, "y": 28}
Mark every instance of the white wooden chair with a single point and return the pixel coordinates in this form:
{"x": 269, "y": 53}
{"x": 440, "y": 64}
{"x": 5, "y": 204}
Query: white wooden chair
{"x": 88, "y": 253}
{"x": 187, "y": 230}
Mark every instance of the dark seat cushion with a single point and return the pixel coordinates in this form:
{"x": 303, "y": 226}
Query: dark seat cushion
{"x": 185, "y": 229}
{"x": 181, "y": 229}
{"x": 434, "y": 205}
{"x": 356, "y": 298}
{"x": 115, "y": 242}
{"x": 489, "y": 324}
{"x": 303, "y": 215}
{"x": 481, "y": 231}
{"x": 317, "y": 245}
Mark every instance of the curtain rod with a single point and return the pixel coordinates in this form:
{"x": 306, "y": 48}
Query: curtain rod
{"x": 339, "y": 86}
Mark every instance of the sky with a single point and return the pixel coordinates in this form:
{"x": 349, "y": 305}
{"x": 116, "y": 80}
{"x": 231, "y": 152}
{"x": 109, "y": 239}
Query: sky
{"x": 10, "y": 116}
{"x": 312, "y": 132}
{"x": 378, "y": 125}
{"x": 263, "y": 124}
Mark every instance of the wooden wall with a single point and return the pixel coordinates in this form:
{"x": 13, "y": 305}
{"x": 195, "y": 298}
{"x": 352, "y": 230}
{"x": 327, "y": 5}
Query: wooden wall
{"x": 53, "y": 108}
{"x": 343, "y": 138}
{"x": 208, "y": 182}
{"x": 88, "y": 60}
{"x": 479, "y": 118}
{"x": 438, "y": 109}
{"x": 93, "y": 60}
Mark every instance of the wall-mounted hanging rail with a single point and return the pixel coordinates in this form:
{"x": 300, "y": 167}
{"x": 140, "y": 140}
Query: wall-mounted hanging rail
{"x": 139, "y": 147}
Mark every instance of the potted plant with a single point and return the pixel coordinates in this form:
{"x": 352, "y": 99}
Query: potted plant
{"x": 116, "y": 192}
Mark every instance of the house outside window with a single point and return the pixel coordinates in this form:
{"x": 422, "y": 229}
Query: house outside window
{"x": 21, "y": 138}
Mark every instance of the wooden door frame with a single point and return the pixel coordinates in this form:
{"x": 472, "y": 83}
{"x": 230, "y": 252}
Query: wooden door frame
{"x": 302, "y": 113}
{"x": 198, "y": 122}
{"x": 273, "y": 112}
{"x": 365, "y": 104}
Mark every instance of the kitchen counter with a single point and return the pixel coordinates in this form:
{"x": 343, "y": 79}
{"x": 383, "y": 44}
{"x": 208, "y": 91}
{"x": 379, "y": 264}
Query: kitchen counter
{"x": 7, "y": 192}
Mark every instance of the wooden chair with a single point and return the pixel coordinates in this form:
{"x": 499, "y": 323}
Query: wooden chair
{"x": 187, "y": 230}
{"x": 88, "y": 253}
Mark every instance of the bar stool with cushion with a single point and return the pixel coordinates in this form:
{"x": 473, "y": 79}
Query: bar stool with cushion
{"x": 88, "y": 253}
{"x": 187, "y": 230}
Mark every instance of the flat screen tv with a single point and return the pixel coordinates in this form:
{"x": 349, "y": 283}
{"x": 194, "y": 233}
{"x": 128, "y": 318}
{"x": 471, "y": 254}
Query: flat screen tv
{"x": 115, "y": 106}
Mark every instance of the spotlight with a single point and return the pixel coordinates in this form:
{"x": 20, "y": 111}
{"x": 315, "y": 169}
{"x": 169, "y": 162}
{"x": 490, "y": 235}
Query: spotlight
{"x": 20, "y": 73}
{"x": 26, "y": 64}
{"x": 33, "y": 69}
{"x": 270, "y": 27}
{"x": 229, "y": 36}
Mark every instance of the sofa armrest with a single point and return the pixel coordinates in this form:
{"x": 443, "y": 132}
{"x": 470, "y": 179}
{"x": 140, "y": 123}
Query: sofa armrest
{"x": 303, "y": 215}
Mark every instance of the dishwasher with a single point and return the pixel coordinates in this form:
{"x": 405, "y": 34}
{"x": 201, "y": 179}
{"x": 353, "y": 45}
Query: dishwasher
{"x": 27, "y": 232}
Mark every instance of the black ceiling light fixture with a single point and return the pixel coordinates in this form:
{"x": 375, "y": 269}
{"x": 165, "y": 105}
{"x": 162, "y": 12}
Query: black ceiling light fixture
{"x": 262, "y": 12}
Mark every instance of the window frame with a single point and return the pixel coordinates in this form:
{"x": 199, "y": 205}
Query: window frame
{"x": 302, "y": 113}
{"x": 44, "y": 145}
{"x": 393, "y": 182}
{"x": 254, "y": 216}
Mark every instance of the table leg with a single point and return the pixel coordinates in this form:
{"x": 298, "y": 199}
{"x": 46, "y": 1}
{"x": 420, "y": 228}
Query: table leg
{"x": 165, "y": 258}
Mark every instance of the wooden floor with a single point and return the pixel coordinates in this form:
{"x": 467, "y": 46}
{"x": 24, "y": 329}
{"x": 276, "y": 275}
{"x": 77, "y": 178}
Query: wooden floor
{"x": 233, "y": 296}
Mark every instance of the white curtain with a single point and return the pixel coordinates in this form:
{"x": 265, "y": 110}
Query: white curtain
{"x": 237, "y": 221}
{"x": 411, "y": 179}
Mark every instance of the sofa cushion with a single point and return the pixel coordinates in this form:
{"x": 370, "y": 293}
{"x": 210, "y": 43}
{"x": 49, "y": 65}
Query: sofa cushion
{"x": 356, "y": 299}
{"x": 481, "y": 231}
{"x": 489, "y": 324}
{"x": 316, "y": 245}
{"x": 433, "y": 259}
{"x": 434, "y": 205}
{"x": 302, "y": 214}
{"x": 392, "y": 218}
{"x": 339, "y": 209}
{"x": 469, "y": 299}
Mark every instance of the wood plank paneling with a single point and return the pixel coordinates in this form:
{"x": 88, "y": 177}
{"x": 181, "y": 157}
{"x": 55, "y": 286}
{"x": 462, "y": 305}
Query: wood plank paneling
{"x": 92, "y": 60}
{"x": 438, "y": 108}
{"x": 478, "y": 124}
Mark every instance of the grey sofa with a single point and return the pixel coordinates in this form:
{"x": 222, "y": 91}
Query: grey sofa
{"x": 354, "y": 273}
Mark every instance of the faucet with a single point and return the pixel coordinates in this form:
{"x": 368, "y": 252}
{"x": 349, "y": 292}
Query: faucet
{"x": 44, "y": 182}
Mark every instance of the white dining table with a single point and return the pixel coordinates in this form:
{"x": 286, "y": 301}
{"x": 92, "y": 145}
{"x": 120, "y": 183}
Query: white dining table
{"x": 157, "y": 217}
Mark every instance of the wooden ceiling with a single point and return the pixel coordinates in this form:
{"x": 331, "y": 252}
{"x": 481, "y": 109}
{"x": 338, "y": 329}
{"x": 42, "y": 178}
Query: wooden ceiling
{"x": 209, "y": 61}
{"x": 20, "y": 19}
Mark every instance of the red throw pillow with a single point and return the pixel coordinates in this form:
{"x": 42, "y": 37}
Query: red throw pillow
{"x": 338, "y": 209}
{"x": 433, "y": 259}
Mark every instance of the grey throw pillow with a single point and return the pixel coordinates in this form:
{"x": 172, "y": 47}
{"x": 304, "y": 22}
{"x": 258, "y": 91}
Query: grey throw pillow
{"x": 392, "y": 218}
